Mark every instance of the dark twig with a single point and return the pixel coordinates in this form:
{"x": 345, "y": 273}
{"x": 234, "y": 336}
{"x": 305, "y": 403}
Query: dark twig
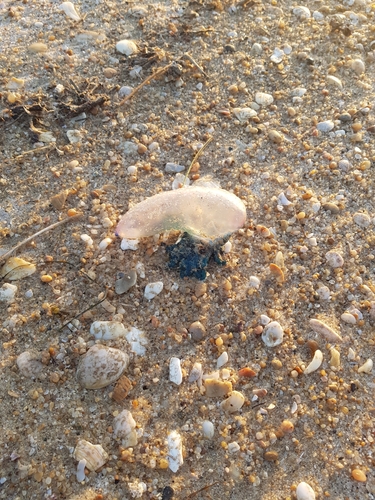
{"x": 83, "y": 312}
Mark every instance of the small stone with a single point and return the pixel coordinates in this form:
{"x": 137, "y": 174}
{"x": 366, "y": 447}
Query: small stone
{"x": 46, "y": 278}
{"x": 175, "y": 372}
{"x": 233, "y": 447}
{"x": 174, "y": 167}
{"x": 362, "y": 220}
{"x": 200, "y": 290}
{"x": 271, "y": 456}
{"x": 125, "y": 91}
{"x": 358, "y": 66}
{"x": 348, "y": 318}
{"x": 124, "y": 428}
{"x": 272, "y": 334}
{"x": 208, "y": 429}
{"x": 254, "y": 282}
{"x": 8, "y": 293}
{"x": 233, "y": 403}
{"x": 366, "y": 367}
{"x": 107, "y": 330}
{"x": 125, "y": 281}
{"x": 305, "y": 492}
{"x": 325, "y": 126}
{"x": 217, "y": 388}
{"x": 334, "y": 259}
{"x": 38, "y": 47}
{"x": 332, "y": 207}
{"x": 70, "y": 11}
{"x": 175, "y": 457}
{"x": 302, "y": 12}
{"x": 109, "y": 72}
{"x": 29, "y": 363}
{"x": 256, "y": 49}
{"x": 334, "y": 81}
{"x": 263, "y": 99}
{"x": 126, "y": 47}
{"x": 345, "y": 117}
{"x": 326, "y": 331}
{"x": 197, "y": 331}
{"x": 58, "y": 201}
{"x": 129, "y": 244}
{"x": 244, "y": 114}
{"x": 222, "y": 360}
{"x": 359, "y": 475}
{"x": 153, "y": 289}
{"x": 275, "y": 136}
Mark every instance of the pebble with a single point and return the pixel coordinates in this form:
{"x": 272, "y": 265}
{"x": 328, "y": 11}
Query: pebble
{"x": 256, "y": 49}
{"x": 124, "y": 428}
{"x": 366, "y": 367}
{"x": 87, "y": 239}
{"x": 175, "y": 372}
{"x": 275, "y": 136}
{"x": 104, "y": 243}
{"x": 174, "y": 167}
{"x": 129, "y": 244}
{"x": 126, "y": 47}
{"x": 80, "y": 475}
{"x": 122, "y": 388}
{"x": 196, "y": 373}
{"x": 137, "y": 340}
{"x": 272, "y": 334}
{"x": 38, "y": 47}
{"x": 322, "y": 329}
{"x": 107, "y": 330}
{"x": 334, "y": 81}
{"x": 271, "y": 456}
{"x": 263, "y": 99}
{"x": 175, "y": 457}
{"x": 222, "y": 360}
{"x": 335, "y": 358}
{"x": 244, "y": 114}
{"x": 208, "y": 429}
{"x": 315, "y": 363}
{"x": 358, "y": 66}
{"x": 233, "y": 403}
{"x": 93, "y": 454}
{"x": 348, "y": 318}
{"x": 359, "y": 475}
{"x": 153, "y": 289}
{"x": 277, "y": 55}
{"x": 254, "y": 282}
{"x": 101, "y": 366}
{"x": 332, "y": 207}
{"x": 325, "y": 126}
{"x": 302, "y": 12}
{"x": 305, "y": 492}
{"x": 217, "y": 388}
{"x": 197, "y": 331}
{"x": 334, "y": 259}
{"x": 29, "y": 363}
{"x": 362, "y": 220}
{"x": 125, "y": 281}
{"x": 109, "y": 72}
{"x": 70, "y": 11}
{"x": 125, "y": 91}
{"x": 233, "y": 447}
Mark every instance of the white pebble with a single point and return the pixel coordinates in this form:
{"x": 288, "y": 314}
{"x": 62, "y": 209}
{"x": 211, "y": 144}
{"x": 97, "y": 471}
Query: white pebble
{"x": 175, "y": 458}
{"x": 125, "y": 91}
{"x": 263, "y": 99}
{"x": 132, "y": 170}
{"x": 305, "y": 492}
{"x": 366, "y": 367}
{"x": 29, "y": 294}
{"x": 126, "y": 47}
{"x": 222, "y": 360}
{"x": 362, "y": 220}
{"x": 227, "y": 247}
{"x": 254, "y": 282}
{"x": 358, "y": 66}
{"x": 283, "y": 200}
{"x": 264, "y": 320}
{"x": 348, "y": 318}
{"x": 87, "y": 239}
{"x": 107, "y": 330}
{"x": 175, "y": 372}
{"x": 7, "y": 293}
{"x": 208, "y": 429}
{"x": 324, "y": 292}
{"x": 104, "y": 243}
{"x": 325, "y": 126}
{"x": 153, "y": 289}
{"x": 81, "y": 476}
{"x": 302, "y": 12}
{"x": 334, "y": 81}
{"x": 318, "y": 16}
{"x": 233, "y": 447}
{"x": 273, "y": 334}
{"x": 256, "y": 49}
{"x": 334, "y": 259}
{"x": 127, "y": 244}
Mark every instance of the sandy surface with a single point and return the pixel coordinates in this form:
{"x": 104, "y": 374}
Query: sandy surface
{"x": 301, "y": 158}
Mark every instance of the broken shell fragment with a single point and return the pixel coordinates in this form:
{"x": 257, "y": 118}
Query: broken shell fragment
{"x": 175, "y": 458}
{"x": 70, "y": 11}
{"x": 94, "y": 454}
{"x": 107, "y": 330}
{"x": 126, "y": 47}
{"x": 273, "y": 334}
{"x": 334, "y": 362}
{"x": 326, "y": 331}
{"x": 315, "y": 363}
{"x": 204, "y": 212}
{"x": 16, "y": 269}
{"x": 305, "y": 492}
{"x": 101, "y": 366}
{"x": 175, "y": 372}
{"x": 81, "y": 470}
{"x": 124, "y": 429}
{"x": 234, "y": 402}
{"x": 366, "y": 367}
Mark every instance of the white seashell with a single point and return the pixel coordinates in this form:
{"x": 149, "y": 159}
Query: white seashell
{"x": 315, "y": 363}
{"x": 333, "y": 80}
{"x": 179, "y": 180}
{"x": 94, "y": 454}
{"x": 348, "y": 318}
{"x": 302, "y": 12}
{"x": 196, "y": 374}
{"x": 366, "y": 367}
{"x": 254, "y": 282}
{"x": 153, "y": 289}
{"x": 361, "y": 219}
{"x": 126, "y": 47}
{"x": 358, "y": 66}
{"x": 208, "y": 429}
{"x": 29, "y": 363}
{"x": 325, "y": 126}
{"x": 335, "y": 358}
{"x": 129, "y": 244}
{"x": 16, "y": 268}
{"x": 200, "y": 211}
{"x": 244, "y": 114}
{"x": 227, "y": 247}
{"x": 175, "y": 458}
{"x": 305, "y": 492}
{"x": 222, "y": 359}
{"x": 81, "y": 476}
{"x": 174, "y": 167}
{"x": 277, "y": 56}
{"x": 334, "y": 259}
{"x": 107, "y": 330}
{"x": 124, "y": 429}
{"x": 101, "y": 366}
{"x": 175, "y": 372}
{"x": 87, "y": 239}
{"x": 272, "y": 334}
{"x": 318, "y": 16}
{"x": 283, "y": 200}
{"x": 263, "y": 99}
{"x": 8, "y": 293}
{"x": 233, "y": 403}
{"x": 70, "y": 11}
{"x": 264, "y": 320}
{"x": 323, "y": 329}
{"x": 298, "y": 92}
{"x": 137, "y": 341}
{"x": 351, "y": 354}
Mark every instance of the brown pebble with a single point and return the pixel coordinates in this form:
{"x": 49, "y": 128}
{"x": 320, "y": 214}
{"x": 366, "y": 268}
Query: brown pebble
{"x": 197, "y": 331}
{"x": 217, "y": 388}
{"x": 200, "y": 289}
{"x": 276, "y": 364}
{"x": 54, "y": 377}
{"x": 334, "y": 209}
{"x": 58, "y": 201}
{"x": 271, "y": 456}
{"x": 109, "y": 72}
{"x": 313, "y": 346}
{"x": 142, "y": 149}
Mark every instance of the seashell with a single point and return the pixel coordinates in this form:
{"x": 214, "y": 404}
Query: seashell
{"x": 254, "y": 282}
{"x": 362, "y": 220}
{"x": 234, "y": 402}
{"x": 244, "y": 114}
{"x": 323, "y": 329}
{"x": 81, "y": 476}
{"x": 29, "y": 363}
{"x": 217, "y": 388}
{"x": 247, "y": 372}
{"x": 70, "y": 11}
{"x": 38, "y": 48}
{"x": 175, "y": 458}
{"x": 358, "y": 66}
{"x": 137, "y": 341}
{"x": 174, "y": 167}
{"x": 200, "y": 211}
{"x": 124, "y": 429}
{"x": 126, "y": 47}
{"x": 333, "y": 80}
{"x": 366, "y": 367}
{"x": 196, "y": 374}
{"x": 315, "y": 363}
{"x": 94, "y": 454}
{"x": 153, "y": 289}
{"x": 175, "y": 372}
{"x": 305, "y": 492}
{"x": 58, "y": 201}
{"x": 16, "y": 269}
{"x": 277, "y": 273}
{"x": 325, "y": 126}
{"x": 122, "y": 389}
{"x": 125, "y": 281}
{"x": 74, "y": 136}
{"x": 208, "y": 429}
{"x": 15, "y": 83}
{"x": 222, "y": 359}
{"x": 272, "y": 334}
{"x": 101, "y": 366}
{"x": 263, "y": 99}
{"x": 107, "y": 330}
{"x": 348, "y": 318}
{"x": 8, "y": 292}
{"x": 334, "y": 259}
